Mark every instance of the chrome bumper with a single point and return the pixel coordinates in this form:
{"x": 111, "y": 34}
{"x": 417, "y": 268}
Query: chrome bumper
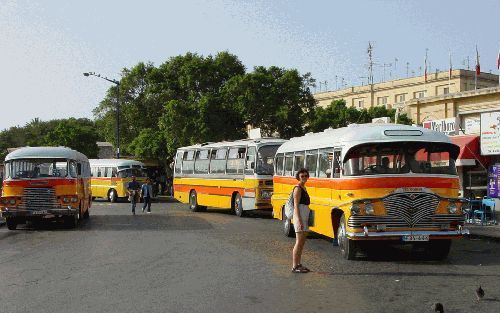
{"x": 6, "y": 212}
{"x": 367, "y": 234}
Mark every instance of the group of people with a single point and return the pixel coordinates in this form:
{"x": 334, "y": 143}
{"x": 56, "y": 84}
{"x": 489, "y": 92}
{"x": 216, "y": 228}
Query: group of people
{"x": 136, "y": 191}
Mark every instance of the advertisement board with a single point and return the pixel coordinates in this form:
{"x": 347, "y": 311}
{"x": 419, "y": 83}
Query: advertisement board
{"x": 448, "y": 126}
{"x": 494, "y": 181}
{"x": 472, "y": 125}
{"x": 490, "y": 133}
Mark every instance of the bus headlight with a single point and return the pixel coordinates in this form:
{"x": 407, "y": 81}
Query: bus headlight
{"x": 266, "y": 194}
{"x": 355, "y": 209}
{"x": 12, "y": 201}
{"x": 452, "y": 207}
{"x": 369, "y": 209}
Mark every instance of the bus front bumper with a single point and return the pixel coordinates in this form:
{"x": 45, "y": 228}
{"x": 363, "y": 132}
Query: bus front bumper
{"x": 402, "y": 235}
{"x": 69, "y": 211}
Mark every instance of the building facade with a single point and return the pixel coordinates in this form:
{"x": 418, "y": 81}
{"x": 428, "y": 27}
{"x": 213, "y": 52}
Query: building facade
{"x": 395, "y": 93}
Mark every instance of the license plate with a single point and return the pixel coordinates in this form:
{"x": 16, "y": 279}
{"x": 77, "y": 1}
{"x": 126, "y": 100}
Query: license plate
{"x": 416, "y": 238}
{"x": 40, "y": 212}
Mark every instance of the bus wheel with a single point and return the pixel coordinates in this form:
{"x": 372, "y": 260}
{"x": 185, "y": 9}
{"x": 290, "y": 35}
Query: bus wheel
{"x": 347, "y": 246}
{"x": 86, "y": 215}
{"x": 112, "y": 197}
{"x": 238, "y": 205}
{"x": 71, "y": 221}
{"x": 193, "y": 202}
{"x": 11, "y": 223}
{"x": 288, "y": 228}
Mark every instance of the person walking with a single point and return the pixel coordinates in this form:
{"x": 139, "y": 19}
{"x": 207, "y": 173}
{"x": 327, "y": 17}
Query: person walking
{"x": 133, "y": 188}
{"x": 301, "y": 212}
{"x": 147, "y": 194}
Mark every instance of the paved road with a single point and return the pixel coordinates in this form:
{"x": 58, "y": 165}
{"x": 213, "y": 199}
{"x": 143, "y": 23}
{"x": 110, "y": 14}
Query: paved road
{"x": 177, "y": 261}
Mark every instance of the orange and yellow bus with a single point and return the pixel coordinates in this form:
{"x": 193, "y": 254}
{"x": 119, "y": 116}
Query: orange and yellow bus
{"x": 111, "y": 176}
{"x": 375, "y": 182}
{"x": 45, "y": 182}
{"x": 234, "y": 175}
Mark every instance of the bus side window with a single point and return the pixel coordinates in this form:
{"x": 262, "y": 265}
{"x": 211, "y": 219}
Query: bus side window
{"x": 218, "y": 161}
{"x": 99, "y": 172}
{"x": 250, "y": 161}
{"x": 337, "y": 168}
{"x": 298, "y": 161}
{"x": 79, "y": 169}
{"x": 288, "y": 164}
{"x": 312, "y": 162}
{"x": 235, "y": 160}
{"x": 178, "y": 162}
{"x": 114, "y": 172}
{"x": 188, "y": 162}
{"x": 325, "y": 163}
{"x": 280, "y": 158}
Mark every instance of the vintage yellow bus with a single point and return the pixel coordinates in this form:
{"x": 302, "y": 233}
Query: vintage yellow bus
{"x": 45, "y": 182}
{"x": 234, "y": 175}
{"x": 375, "y": 182}
{"x": 111, "y": 176}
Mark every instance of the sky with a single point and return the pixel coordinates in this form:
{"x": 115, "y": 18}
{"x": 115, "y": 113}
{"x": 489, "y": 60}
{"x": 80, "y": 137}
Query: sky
{"x": 45, "y": 46}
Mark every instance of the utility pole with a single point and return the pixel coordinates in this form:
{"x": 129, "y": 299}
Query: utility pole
{"x": 370, "y": 62}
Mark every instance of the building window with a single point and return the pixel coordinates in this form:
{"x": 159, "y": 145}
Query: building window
{"x": 446, "y": 90}
{"x": 419, "y": 94}
{"x": 360, "y": 104}
{"x": 400, "y": 98}
{"x": 382, "y": 100}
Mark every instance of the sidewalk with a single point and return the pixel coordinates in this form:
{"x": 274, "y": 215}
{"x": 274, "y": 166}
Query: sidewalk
{"x": 486, "y": 231}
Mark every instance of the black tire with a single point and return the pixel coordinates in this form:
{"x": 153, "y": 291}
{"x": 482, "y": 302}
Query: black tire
{"x": 112, "y": 196}
{"x": 71, "y": 221}
{"x": 238, "y": 205}
{"x": 347, "y": 246}
{"x": 288, "y": 228}
{"x": 193, "y": 202}
{"x": 86, "y": 215}
{"x": 438, "y": 249}
{"x": 11, "y": 223}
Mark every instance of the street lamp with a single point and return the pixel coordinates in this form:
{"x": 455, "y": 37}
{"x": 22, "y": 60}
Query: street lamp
{"x": 117, "y": 83}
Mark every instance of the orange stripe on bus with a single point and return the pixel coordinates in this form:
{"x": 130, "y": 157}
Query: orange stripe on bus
{"x": 224, "y": 191}
{"x": 379, "y": 182}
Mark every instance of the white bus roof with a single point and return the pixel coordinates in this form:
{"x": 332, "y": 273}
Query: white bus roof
{"x": 46, "y": 153}
{"x": 357, "y": 134}
{"x": 243, "y": 142}
{"x": 114, "y": 162}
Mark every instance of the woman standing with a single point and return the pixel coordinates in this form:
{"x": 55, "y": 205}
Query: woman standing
{"x": 301, "y": 211}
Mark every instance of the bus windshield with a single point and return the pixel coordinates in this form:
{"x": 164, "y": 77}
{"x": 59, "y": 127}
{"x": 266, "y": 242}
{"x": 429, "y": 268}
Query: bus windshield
{"x": 265, "y": 161}
{"x": 129, "y": 172}
{"x": 400, "y": 158}
{"x": 40, "y": 168}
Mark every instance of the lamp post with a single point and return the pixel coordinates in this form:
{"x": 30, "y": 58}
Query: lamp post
{"x": 117, "y": 83}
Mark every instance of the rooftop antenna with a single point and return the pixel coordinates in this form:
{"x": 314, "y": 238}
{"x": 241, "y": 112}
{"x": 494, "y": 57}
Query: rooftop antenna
{"x": 336, "y": 85}
{"x": 407, "y": 69}
{"x": 370, "y": 62}
{"x": 395, "y": 68}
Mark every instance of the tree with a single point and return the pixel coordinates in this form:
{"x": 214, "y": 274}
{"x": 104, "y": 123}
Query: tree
{"x": 274, "y": 99}
{"x": 77, "y": 134}
{"x": 337, "y": 115}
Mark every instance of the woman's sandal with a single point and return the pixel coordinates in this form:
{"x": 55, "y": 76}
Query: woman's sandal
{"x": 300, "y": 269}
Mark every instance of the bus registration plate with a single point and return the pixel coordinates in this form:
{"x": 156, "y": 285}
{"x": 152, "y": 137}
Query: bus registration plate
{"x": 416, "y": 238}
{"x": 40, "y": 212}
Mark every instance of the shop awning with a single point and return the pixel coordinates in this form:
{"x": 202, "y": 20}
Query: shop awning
{"x": 469, "y": 151}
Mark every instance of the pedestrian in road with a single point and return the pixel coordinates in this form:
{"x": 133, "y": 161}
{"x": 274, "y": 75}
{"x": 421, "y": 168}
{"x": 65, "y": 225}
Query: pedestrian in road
{"x": 301, "y": 212}
{"x": 147, "y": 194}
{"x": 133, "y": 188}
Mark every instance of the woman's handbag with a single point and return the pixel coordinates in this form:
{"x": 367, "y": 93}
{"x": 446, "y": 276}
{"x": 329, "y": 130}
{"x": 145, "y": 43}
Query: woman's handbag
{"x": 289, "y": 205}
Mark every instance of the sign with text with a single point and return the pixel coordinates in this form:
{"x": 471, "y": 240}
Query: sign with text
{"x": 490, "y": 133}
{"x": 448, "y": 126}
{"x": 472, "y": 125}
{"x": 494, "y": 181}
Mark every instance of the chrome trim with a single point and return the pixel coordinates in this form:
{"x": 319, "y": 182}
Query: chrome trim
{"x": 403, "y": 233}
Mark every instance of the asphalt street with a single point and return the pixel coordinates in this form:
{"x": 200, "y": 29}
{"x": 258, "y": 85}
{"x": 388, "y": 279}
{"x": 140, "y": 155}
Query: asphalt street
{"x": 174, "y": 260}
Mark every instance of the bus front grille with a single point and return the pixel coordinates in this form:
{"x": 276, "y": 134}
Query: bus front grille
{"x": 414, "y": 210}
{"x": 39, "y": 199}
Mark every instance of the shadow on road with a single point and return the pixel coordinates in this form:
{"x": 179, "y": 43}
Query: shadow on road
{"x": 125, "y": 222}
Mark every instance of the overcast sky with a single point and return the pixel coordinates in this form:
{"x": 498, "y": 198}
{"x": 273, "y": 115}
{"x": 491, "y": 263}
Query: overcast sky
{"x": 45, "y": 46}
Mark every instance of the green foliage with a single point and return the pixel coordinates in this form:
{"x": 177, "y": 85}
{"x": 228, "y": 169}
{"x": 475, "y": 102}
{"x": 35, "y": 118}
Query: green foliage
{"x": 337, "y": 115}
{"x": 78, "y": 134}
{"x": 274, "y": 99}
{"x": 149, "y": 144}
